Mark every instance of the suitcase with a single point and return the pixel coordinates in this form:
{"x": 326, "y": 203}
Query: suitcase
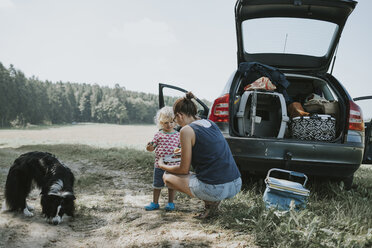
{"x": 322, "y": 107}
{"x": 315, "y": 127}
{"x": 282, "y": 194}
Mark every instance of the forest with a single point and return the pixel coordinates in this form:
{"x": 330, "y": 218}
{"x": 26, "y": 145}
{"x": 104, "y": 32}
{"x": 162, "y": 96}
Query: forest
{"x": 30, "y": 101}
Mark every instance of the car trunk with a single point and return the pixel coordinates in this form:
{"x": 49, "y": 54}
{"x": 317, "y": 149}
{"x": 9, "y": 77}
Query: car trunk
{"x": 264, "y": 114}
{"x": 290, "y": 35}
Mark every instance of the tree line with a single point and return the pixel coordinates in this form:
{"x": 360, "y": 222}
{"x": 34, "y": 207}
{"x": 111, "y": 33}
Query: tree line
{"x": 26, "y": 101}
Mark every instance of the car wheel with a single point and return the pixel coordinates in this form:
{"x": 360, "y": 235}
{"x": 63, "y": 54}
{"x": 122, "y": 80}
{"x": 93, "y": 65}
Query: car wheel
{"x": 348, "y": 182}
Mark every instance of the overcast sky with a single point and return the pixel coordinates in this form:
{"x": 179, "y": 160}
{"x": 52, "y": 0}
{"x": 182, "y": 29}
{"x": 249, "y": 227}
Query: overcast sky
{"x": 137, "y": 44}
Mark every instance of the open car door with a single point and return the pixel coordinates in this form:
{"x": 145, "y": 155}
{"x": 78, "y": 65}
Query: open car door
{"x": 173, "y": 93}
{"x": 366, "y": 101}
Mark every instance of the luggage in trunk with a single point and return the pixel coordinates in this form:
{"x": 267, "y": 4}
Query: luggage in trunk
{"x": 315, "y": 127}
{"x": 262, "y": 114}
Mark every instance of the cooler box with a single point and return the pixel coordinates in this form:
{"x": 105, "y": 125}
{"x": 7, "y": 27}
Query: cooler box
{"x": 315, "y": 127}
{"x": 281, "y": 194}
{"x": 262, "y": 114}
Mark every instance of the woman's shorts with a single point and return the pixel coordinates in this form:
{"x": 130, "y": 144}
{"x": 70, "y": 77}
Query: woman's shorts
{"x": 158, "y": 182}
{"x": 217, "y": 192}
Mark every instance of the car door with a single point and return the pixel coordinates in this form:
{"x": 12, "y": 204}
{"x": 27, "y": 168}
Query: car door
{"x": 365, "y": 102}
{"x": 173, "y": 93}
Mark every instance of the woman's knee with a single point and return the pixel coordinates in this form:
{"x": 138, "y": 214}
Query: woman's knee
{"x": 172, "y": 181}
{"x": 169, "y": 180}
{"x": 166, "y": 178}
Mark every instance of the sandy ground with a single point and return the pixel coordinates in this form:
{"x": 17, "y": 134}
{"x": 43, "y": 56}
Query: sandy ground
{"x": 110, "y": 206}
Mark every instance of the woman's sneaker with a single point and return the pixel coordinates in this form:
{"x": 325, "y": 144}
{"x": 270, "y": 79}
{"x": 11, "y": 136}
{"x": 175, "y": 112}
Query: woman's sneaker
{"x": 170, "y": 206}
{"x": 152, "y": 206}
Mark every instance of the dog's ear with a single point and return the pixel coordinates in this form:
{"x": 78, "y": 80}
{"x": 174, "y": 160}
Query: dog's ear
{"x": 72, "y": 197}
{"x": 68, "y": 195}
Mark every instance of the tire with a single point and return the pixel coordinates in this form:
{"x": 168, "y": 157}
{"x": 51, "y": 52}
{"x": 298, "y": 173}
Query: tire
{"x": 348, "y": 182}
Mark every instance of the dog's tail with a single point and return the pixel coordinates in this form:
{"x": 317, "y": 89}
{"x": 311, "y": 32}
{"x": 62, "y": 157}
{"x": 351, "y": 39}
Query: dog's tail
{"x": 16, "y": 191}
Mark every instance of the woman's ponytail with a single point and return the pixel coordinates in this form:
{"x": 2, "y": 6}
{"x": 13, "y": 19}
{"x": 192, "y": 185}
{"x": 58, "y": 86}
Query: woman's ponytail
{"x": 186, "y": 105}
{"x": 189, "y": 95}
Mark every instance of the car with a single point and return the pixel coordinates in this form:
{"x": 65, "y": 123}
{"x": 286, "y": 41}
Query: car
{"x": 295, "y": 42}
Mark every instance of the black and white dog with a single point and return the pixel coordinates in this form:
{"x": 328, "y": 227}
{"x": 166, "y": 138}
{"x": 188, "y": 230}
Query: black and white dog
{"x": 55, "y": 180}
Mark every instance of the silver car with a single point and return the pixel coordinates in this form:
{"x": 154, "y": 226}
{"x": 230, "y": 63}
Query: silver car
{"x": 297, "y": 39}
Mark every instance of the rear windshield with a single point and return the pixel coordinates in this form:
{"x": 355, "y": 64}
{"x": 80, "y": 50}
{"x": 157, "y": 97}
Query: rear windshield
{"x": 288, "y": 35}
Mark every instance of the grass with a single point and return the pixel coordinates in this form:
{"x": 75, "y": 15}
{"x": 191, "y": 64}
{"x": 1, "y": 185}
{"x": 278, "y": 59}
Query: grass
{"x": 90, "y": 180}
{"x": 114, "y": 158}
{"x": 333, "y": 217}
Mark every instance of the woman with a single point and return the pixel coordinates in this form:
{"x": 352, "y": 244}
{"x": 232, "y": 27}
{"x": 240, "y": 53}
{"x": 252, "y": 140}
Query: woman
{"x": 203, "y": 146}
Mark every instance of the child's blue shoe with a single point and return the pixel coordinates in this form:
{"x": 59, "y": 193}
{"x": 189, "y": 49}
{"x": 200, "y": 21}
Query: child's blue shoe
{"x": 170, "y": 206}
{"x": 152, "y": 206}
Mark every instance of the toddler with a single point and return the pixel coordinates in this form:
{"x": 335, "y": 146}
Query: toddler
{"x": 164, "y": 143}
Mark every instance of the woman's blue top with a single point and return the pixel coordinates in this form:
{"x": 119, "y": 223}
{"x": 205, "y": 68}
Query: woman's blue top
{"x": 211, "y": 159}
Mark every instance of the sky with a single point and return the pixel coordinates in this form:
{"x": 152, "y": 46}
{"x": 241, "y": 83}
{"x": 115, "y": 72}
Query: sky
{"x": 138, "y": 44}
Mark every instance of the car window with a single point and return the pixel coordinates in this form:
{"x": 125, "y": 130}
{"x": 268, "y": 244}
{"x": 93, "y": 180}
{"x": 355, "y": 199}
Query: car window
{"x": 288, "y": 35}
{"x": 302, "y": 87}
{"x": 328, "y": 93}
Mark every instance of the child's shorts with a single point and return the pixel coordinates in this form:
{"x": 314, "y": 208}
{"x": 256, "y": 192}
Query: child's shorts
{"x": 158, "y": 182}
{"x": 217, "y": 192}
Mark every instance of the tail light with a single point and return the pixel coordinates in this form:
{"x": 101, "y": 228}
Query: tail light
{"x": 220, "y": 109}
{"x": 355, "y": 117}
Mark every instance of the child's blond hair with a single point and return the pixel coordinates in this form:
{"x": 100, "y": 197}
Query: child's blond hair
{"x": 163, "y": 115}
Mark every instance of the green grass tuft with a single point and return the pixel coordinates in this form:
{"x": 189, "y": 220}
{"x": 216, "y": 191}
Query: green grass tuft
{"x": 333, "y": 217}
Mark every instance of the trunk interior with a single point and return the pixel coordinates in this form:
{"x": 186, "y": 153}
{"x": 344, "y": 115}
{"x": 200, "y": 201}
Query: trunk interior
{"x": 315, "y": 116}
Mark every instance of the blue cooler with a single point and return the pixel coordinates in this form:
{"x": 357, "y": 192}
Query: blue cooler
{"x": 280, "y": 193}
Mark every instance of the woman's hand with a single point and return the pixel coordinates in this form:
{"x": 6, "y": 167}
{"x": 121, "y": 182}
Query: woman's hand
{"x": 164, "y": 166}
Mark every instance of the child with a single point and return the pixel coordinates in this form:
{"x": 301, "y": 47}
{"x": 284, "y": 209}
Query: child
{"x": 164, "y": 143}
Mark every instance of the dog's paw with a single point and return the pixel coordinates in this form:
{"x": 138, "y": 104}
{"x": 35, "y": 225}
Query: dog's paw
{"x": 27, "y": 213}
{"x": 4, "y": 207}
{"x": 30, "y": 208}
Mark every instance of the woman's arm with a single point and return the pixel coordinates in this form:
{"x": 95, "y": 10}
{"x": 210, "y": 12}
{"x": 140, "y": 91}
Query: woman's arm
{"x": 187, "y": 140}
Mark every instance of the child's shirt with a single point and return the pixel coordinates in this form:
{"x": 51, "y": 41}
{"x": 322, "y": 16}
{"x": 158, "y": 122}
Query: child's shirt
{"x": 165, "y": 143}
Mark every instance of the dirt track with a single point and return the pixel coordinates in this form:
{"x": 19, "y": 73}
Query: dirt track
{"x": 110, "y": 214}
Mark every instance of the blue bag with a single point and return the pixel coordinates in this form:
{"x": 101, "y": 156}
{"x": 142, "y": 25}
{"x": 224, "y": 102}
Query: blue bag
{"x": 280, "y": 193}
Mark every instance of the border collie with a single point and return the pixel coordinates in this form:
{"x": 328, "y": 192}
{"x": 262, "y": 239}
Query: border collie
{"x": 55, "y": 180}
